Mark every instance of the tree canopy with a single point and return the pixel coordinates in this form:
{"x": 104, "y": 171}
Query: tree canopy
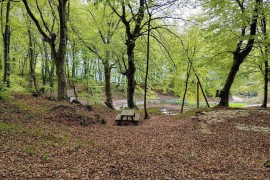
{"x": 53, "y": 45}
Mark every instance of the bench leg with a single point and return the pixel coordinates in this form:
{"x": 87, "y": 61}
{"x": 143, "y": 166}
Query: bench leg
{"x": 119, "y": 123}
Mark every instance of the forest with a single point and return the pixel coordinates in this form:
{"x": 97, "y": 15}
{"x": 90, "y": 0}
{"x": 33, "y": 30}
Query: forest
{"x": 68, "y": 67}
{"x": 159, "y": 46}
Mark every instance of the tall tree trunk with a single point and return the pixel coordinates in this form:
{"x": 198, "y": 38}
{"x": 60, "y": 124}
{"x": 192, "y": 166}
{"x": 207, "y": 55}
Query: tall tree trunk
{"x": 51, "y": 77}
{"x": 200, "y": 85}
{"x": 266, "y": 66}
{"x": 266, "y": 81}
{"x": 186, "y": 87}
{"x": 131, "y": 83}
{"x": 108, "y": 91}
{"x": 6, "y": 35}
{"x": 23, "y": 65}
{"x": 224, "y": 101}
{"x": 146, "y": 115}
{"x": 46, "y": 69}
{"x": 61, "y": 79}
{"x": 32, "y": 62}
{"x": 86, "y": 67}
{"x": 67, "y": 67}
{"x": 61, "y": 54}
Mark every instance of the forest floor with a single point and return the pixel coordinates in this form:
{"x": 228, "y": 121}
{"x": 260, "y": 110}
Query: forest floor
{"x": 45, "y": 139}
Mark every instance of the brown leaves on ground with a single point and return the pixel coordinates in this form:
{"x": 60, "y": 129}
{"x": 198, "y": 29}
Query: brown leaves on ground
{"x": 42, "y": 139}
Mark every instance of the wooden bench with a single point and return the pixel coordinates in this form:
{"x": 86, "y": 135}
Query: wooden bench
{"x": 127, "y": 116}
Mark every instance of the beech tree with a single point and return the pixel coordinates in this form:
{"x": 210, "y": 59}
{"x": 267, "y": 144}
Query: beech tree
{"x": 245, "y": 14}
{"x": 60, "y": 39}
{"x": 6, "y": 32}
{"x": 265, "y": 53}
{"x": 132, "y": 19}
{"x": 103, "y": 21}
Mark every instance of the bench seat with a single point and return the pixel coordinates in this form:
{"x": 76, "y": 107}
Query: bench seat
{"x": 135, "y": 120}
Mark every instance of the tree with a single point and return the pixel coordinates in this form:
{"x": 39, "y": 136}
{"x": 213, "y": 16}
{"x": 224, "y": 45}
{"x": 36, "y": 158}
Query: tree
{"x": 6, "y": 32}
{"x": 132, "y": 21}
{"x": 264, "y": 52}
{"x": 247, "y": 18}
{"x": 101, "y": 44}
{"x": 58, "y": 54}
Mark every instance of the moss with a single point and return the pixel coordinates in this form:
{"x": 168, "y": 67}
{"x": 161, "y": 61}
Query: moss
{"x": 31, "y": 150}
{"x": 193, "y": 112}
{"x": 151, "y": 111}
{"x": 10, "y": 128}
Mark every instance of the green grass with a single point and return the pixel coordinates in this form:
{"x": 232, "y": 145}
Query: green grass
{"x": 237, "y": 105}
{"x": 31, "y": 150}
{"x": 150, "y": 111}
{"x": 192, "y": 112}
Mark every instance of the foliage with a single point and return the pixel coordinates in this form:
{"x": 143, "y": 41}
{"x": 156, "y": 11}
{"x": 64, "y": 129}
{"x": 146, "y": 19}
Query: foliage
{"x": 96, "y": 38}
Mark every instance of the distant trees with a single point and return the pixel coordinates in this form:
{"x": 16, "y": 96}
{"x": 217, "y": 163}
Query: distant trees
{"x": 97, "y": 43}
{"x": 106, "y": 25}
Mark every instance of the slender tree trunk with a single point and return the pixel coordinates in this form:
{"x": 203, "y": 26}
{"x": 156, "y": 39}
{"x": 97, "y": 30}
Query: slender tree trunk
{"x": 67, "y": 67}
{"x": 24, "y": 64}
{"x": 131, "y": 75}
{"x": 6, "y": 35}
{"x": 32, "y": 62}
{"x": 266, "y": 80}
{"x": 43, "y": 72}
{"x": 266, "y": 65}
{"x": 86, "y": 64}
{"x": 51, "y": 77}
{"x": 186, "y": 87}
{"x": 46, "y": 65}
{"x": 73, "y": 69}
{"x": 146, "y": 115}
{"x": 74, "y": 64}
{"x": 200, "y": 85}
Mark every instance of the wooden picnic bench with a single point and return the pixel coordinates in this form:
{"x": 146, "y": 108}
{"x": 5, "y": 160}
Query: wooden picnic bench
{"x": 128, "y": 115}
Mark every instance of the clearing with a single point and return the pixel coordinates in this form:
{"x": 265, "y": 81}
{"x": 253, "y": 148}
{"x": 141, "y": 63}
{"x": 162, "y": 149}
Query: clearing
{"x": 44, "y": 139}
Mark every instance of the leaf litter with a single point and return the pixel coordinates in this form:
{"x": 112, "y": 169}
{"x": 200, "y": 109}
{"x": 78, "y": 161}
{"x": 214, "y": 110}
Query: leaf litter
{"x": 52, "y": 144}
